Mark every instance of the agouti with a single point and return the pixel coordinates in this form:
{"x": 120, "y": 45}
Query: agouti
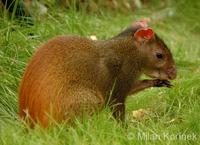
{"x": 72, "y": 76}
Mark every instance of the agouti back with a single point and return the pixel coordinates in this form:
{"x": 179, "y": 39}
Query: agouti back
{"x": 70, "y": 76}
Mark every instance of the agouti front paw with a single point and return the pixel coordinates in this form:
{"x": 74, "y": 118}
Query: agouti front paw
{"x": 162, "y": 83}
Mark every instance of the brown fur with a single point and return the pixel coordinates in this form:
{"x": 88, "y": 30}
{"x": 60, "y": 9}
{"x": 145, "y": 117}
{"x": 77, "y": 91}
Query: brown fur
{"x": 70, "y": 76}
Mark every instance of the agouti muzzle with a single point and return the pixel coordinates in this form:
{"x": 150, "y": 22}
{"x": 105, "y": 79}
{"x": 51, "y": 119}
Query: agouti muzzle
{"x": 70, "y": 76}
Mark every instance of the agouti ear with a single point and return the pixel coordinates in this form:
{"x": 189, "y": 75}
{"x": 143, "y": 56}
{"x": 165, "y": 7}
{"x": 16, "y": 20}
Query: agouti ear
{"x": 144, "y": 34}
{"x": 142, "y": 23}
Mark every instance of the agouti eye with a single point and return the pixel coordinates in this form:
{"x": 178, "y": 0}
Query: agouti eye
{"x": 159, "y": 55}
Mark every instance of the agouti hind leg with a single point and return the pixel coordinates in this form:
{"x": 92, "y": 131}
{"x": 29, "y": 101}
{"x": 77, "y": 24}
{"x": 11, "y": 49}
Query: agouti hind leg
{"x": 81, "y": 102}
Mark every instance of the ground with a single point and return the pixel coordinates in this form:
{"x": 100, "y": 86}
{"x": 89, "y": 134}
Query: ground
{"x": 173, "y": 114}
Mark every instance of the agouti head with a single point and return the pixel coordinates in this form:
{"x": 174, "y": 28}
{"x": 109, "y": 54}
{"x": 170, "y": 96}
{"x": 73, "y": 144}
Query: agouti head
{"x": 157, "y": 60}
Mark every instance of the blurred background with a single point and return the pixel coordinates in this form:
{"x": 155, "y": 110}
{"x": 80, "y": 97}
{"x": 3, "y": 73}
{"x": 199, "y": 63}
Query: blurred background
{"x": 29, "y": 7}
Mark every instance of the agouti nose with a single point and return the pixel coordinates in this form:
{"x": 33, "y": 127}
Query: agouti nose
{"x": 172, "y": 72}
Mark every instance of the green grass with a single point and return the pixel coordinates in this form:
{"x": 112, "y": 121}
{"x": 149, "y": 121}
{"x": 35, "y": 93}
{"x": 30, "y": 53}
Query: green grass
{"x": 173, "y": 111}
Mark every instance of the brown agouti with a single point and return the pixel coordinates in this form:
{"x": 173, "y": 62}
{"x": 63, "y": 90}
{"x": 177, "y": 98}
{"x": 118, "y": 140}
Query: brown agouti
{"x": 70, "y": 75}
